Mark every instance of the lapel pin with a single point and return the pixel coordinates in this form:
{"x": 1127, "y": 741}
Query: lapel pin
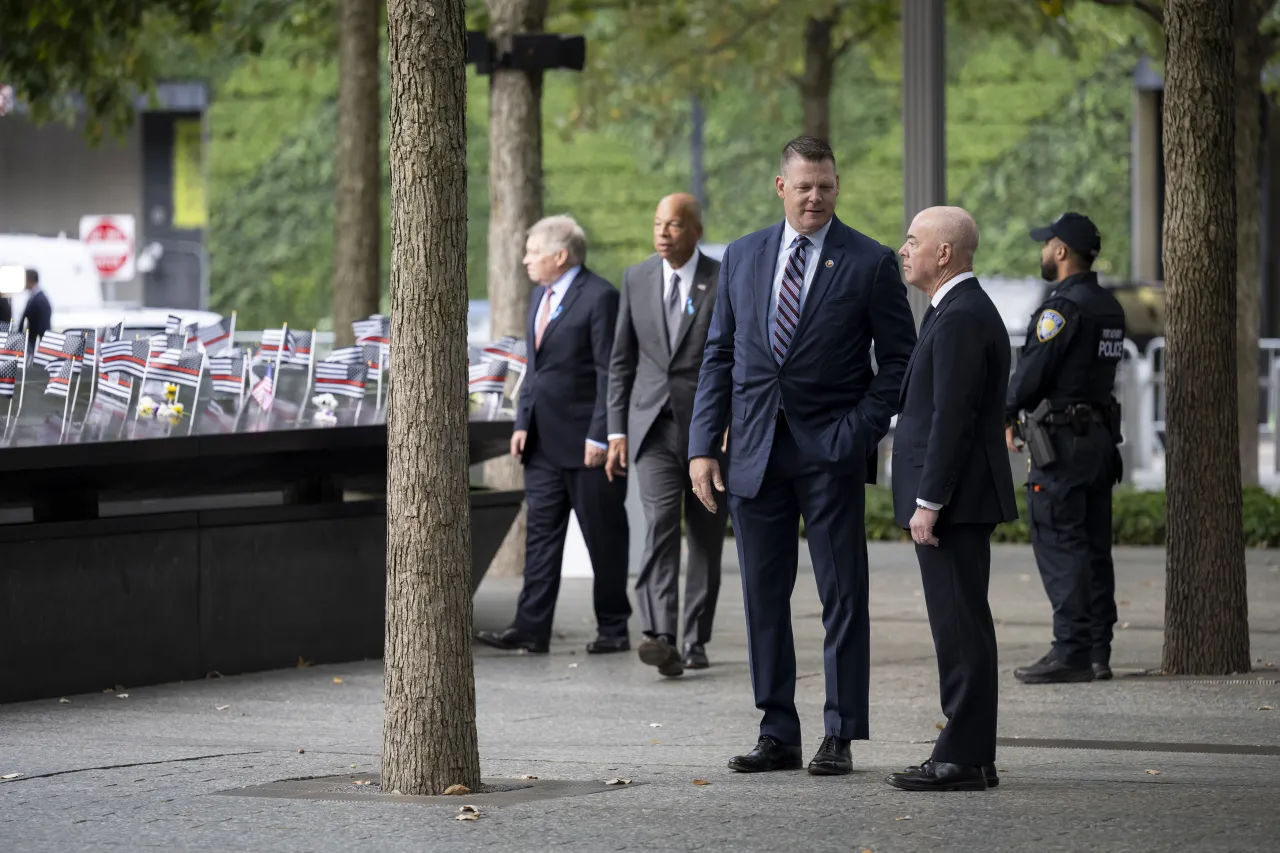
{"x": 830, "y": 264}
{"x": 702, "y": 287}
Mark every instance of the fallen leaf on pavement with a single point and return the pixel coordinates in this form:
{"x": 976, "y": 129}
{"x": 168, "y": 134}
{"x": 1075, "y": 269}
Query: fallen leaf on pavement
{"x": 1153, "y": 772}
{"x": 904, "y": 817}
{"x": 456, "y": 790}
{"x": 10, "y": 776}
{"x": 701, "y": 782}
{"x": 573, "y": 666}
{"x": 939, "y": 726}
{"x": 337, "y": 681}
{"x": 467, "y": 813}
{"x": 655, "y": 741}
{"x": 64, "y": 701}
{"x": 122, "y": 695}
{"x": 618, "y": 782}
{"x": 302, "y": 663}
{"x": 1123, "y": 603}
{"x": 301, "y": 751}
{"x": 528, "y": 777}
{"x": 1266, "y": 707}
{"x": 655, "y": 725}
{"x": 1124, "y": 625}
{"x": 221, "y": 707}
{"x": 366, "y": 782}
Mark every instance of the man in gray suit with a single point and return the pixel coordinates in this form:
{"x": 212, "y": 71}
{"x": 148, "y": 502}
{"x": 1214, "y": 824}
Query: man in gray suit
{"x": 663, "y": 319}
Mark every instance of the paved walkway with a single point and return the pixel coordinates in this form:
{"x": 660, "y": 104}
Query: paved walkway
{"x": 153, "y": 771}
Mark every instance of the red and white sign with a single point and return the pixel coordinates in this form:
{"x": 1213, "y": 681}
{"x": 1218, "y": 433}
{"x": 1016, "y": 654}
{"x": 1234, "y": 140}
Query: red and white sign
{"x": 110, "y": 243}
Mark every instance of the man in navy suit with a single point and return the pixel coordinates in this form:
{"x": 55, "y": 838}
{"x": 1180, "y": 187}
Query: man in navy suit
{"x": 788, "y": 367}
{"x": 38, "y": 313}
{"x": 952, "y": 486}
{"x": 561, "y": 436}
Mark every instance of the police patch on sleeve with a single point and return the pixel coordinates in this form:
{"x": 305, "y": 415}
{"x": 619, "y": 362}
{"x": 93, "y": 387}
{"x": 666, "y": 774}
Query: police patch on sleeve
{"x": 1049, "y": 324}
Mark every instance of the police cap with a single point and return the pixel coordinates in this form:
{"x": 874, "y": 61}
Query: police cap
{"x": 1076, "y": 230}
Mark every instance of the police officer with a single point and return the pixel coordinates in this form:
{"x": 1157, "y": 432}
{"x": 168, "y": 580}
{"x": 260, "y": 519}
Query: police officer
{"x": 1074, "y": 345}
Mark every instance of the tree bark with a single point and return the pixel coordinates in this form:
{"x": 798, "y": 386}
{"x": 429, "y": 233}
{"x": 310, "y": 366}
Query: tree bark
{"x": 357, "y": 273}
{"x": 1206, "y": 610}
{"x": 815, "y": 81}
{"x": 429, "y": 724}
{"x": 1250, "y": 58}
{"x": 515, "y": 203}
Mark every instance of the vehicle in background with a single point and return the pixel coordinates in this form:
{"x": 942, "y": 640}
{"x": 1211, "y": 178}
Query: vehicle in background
{"x": 70, "y": 279}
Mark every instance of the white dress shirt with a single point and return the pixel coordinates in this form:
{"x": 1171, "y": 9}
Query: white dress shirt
{"x": 936, "y": 301}
{"x": 812, "y": 253}
{"x": 558, "y": 290}
{"x": 685, "y": 283}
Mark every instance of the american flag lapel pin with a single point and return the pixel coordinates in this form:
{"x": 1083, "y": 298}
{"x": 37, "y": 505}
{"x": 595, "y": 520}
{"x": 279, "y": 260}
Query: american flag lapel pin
{"x": 830, "y": 264}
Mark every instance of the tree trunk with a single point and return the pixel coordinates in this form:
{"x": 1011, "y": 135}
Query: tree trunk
{"x": 1250, "y": 57}
{"x": 357, "y": 273}
{"x": 1206, "y": 611}
{"x": 429, "y": 723}
{"x": 515, "y": 203}
{"x": 815, "y": 81}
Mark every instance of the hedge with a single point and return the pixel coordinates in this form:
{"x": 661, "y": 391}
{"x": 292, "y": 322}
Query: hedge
{"x": 1138, "y": 518}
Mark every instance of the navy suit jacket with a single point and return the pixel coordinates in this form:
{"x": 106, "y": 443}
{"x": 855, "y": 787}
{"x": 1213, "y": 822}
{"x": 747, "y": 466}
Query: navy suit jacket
{"x": 948, "y": 446}
{"x": 836, "y": 406}
{"x": 564, "y": 396}
{"x": 37, "y": 315}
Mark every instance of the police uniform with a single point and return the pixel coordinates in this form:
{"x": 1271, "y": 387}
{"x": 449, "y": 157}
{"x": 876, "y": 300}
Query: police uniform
{"x": 1073, "y": 347}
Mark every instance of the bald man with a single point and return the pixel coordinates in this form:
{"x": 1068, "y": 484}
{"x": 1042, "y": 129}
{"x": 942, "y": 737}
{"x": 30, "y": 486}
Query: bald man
{"x": 952, "y": 486}
{"x": 667, "y": 301}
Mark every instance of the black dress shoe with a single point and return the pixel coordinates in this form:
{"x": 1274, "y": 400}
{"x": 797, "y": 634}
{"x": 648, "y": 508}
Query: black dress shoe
{"x": 1101, "y": 672}
{"x": 662, "y": 653}
{"x": 513, "y": 639}
{"x": 695, "y": 656}
{"x": 769, "y": 754}
{"x": 988, "y": 770}
{"x": 832, "y": 758}
{"x": 608, "y": 645}
{"x": 937, "y": 776}
{"x": 1050, "y": 670}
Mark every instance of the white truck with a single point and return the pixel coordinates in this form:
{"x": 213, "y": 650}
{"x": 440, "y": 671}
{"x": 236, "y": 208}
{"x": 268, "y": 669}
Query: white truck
{"x": 70, "y": 280}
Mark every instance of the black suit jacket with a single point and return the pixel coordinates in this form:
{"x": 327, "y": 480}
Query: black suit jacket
{"x": 565, "y": 391}
{"x": 949, "y": 446}
{"x": 37, "y": 315}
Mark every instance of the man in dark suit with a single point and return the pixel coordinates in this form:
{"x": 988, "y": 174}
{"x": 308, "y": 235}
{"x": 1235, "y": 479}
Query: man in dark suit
{"x": 788, "y": 357}
{"x": 38, "y": 313}
{"x": 952, "y": 486}
{"x": 667, "y": 302}
{"x": 560, "y": 436}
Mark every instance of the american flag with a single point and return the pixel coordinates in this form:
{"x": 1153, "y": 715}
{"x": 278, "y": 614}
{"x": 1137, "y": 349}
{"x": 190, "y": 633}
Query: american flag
{"x": 168, "y": 341}
{"x": 179, "y": 366}
{"x": 374, "y": 355}
{"x": 227, "y": 374}
{"x": 89, "y": 340}
{"x": 376, "y": 329}
{"x": 4, "y": 327}
{"x": 218, "y": 333}
{"x": 15, "y": 345}
{"x": 114, "y": 333}
{"x": 50, "y": 348}
{"x": 190, "y": 332}
{"x": 264, "y": 390}
{"x": 344, "y": 378}
{"x": 126, "y": 356}
{"x": 299, "y": 351}
{"x": 514, "y": 351}
{"x": 8, "y": 377}
{"x": 60, "y": 384}
{"x": 347, "y": 355}
{"x": 115, "y": 386}
{"x": 173, "y": 325}
{"x": 273, "y": 340}
{"x": 487, "y": 378}
{"x": 70, "y": 348}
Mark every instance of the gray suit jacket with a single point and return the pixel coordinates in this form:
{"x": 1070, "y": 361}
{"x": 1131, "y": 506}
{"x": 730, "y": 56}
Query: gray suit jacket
{"x": 644, "y": 372}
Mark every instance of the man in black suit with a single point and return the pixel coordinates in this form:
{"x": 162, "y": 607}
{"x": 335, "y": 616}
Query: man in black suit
{"x": 952, "y": 486}
{"x": 667, "y": 301}
{"x": 38, "y": 314}
{"x": 561, "y": 437}
{"x": 788, "y": 368}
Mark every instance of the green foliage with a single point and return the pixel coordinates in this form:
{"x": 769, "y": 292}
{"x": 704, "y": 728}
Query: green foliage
{"x": 1137, "y": 518}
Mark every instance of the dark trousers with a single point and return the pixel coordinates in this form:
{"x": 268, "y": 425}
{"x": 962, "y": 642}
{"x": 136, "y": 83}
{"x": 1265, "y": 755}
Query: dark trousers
{"x": 766, "y": 528}
{"x": 550, "y": 494}
{"x": 662, "y": 467}
{"x": 1069, "y": 505}
{"x": 955, "y": 575}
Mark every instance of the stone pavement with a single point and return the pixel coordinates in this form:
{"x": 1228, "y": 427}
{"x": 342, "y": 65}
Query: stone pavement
{"x": 159, "y": 770}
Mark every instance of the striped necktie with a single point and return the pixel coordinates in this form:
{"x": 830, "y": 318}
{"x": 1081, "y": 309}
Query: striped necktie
{"x": 787, "y": 315}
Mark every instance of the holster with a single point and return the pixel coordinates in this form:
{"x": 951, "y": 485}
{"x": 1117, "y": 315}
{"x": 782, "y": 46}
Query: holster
{"x": 1036, "y": 435}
